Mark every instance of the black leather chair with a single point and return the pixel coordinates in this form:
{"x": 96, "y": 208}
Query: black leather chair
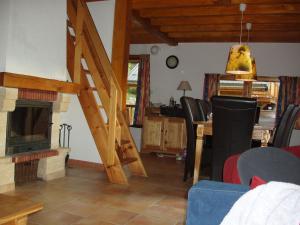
{"x": 191, "y": 114}
{"x": 204, "y": 108}
{"x": 233, "y": 122}
{"x": 285, "y": 127}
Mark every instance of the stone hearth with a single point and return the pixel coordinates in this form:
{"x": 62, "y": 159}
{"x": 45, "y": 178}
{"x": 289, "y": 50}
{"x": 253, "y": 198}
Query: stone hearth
{"x": 48, "y": 168}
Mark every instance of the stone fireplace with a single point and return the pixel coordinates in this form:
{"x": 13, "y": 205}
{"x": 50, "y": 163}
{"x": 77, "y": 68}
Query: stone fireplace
{"x": 29, "y": 130}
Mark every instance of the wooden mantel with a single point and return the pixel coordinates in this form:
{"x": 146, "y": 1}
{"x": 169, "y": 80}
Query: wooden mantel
{"x": 13, "y": 80}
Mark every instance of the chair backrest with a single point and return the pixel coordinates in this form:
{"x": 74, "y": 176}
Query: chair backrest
{"x": 290, "y": 126}
{"x": 204, "y": 108}
{"x": 191, "y": 111}
{"x": 233, "y": 122}
{"x": 191, "y": 114}
{"x": 280, "y": 139}
{"x": 270, "y": 164}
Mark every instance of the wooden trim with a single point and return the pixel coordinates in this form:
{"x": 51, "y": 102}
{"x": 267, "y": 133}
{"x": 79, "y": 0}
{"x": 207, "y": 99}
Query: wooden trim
{"x": 14, "y": 80}
{"x": 85, "y": 164}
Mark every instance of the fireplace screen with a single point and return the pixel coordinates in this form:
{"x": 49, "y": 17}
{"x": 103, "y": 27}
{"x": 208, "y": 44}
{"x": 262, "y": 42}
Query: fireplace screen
{"x": 29, "y": 127}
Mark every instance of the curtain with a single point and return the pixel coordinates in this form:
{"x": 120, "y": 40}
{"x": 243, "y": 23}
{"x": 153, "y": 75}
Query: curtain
{"x": 143, "y": 90}
{"x": 289, "y": 93}
{"x": 211, "y": 85}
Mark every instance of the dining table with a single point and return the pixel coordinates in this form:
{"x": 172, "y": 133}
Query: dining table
{"x": 261, "y": 131}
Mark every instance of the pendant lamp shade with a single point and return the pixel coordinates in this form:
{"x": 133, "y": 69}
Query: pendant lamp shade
{"x": 248, "y": 77}
{"x": 239, "y": 60}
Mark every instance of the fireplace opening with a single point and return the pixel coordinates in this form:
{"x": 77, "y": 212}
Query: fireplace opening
{"x": 29, "y": 127}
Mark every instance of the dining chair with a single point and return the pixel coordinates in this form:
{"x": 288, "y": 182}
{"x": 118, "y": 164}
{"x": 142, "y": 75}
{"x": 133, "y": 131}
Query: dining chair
{"x": 204, "y": 108}
{"x": 285, "y": 127}
{"x": 233, "y": 122}
{"x": 191, "y": 114}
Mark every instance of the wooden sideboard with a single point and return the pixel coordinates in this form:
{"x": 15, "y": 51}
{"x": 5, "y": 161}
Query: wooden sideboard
{"x": 163, "y": 134}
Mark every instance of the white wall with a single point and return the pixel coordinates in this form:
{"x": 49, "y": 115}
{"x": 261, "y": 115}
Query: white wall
{"x": 37, "y": 38}
{"x": 4, "y": 25}
{"x": 197, "y": 59}
{"x": 82, "y": 142}
{"x": 33, "y": 42}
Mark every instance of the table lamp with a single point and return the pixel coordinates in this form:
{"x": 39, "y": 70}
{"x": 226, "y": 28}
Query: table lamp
{"x": 184, "y": 85}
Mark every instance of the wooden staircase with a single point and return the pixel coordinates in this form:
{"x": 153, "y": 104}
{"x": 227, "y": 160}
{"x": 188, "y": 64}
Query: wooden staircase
{"x": 100, "y": 95}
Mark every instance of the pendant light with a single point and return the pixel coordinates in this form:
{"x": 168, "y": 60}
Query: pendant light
{"x": 250, "y": 76}
{"x": 239, "y": 59}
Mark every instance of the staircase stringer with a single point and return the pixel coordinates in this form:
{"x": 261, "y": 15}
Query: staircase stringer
{"x": 90, "y": 47}
{"x": 96, "y": 123}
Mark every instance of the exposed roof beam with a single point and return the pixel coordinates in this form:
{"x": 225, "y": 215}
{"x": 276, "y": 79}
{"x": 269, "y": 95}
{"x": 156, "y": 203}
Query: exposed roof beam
{"x": 228, "y": 27}
{"x": 222, "y": 10}
{"x": 287, "y": 19}
{"x": 143, "y": 4}
{"x": 255, "y": 36}
{"x": 152, "y": 29}
{"x": 263, "y": 1}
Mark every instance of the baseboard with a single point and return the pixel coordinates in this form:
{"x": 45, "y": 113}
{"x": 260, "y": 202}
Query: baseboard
{"x": 85, "y": 164}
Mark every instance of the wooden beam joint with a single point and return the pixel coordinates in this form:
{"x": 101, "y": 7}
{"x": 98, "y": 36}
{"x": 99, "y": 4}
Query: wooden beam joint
{"x": 146, "y": 23}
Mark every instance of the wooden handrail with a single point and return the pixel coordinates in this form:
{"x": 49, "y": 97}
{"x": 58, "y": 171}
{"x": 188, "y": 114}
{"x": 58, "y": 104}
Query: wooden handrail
{"x": 89, "y": 45}
{"x": 94, "y": 40}
{"x": 112, "y": 119}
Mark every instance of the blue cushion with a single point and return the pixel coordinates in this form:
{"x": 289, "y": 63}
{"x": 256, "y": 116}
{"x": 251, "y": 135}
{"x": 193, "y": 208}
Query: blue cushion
{"x": 210, "y": 201}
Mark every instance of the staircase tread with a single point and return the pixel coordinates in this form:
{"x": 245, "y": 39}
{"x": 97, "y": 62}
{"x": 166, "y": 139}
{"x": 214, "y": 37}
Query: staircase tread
{"x": 128, "y": 160}
{"x": 124, "y": 142}
{"x": 86, "y": 71}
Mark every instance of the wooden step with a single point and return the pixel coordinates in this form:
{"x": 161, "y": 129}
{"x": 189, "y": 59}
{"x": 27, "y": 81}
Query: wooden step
{"x": 126, "y": 144}
{"x": 127, "y": 161}
{"x": 93, "y": 88}
{"x": 87, "y": 72}
{"x": 70, "y": 24}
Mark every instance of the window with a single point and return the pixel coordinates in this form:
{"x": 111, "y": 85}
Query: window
{"x": 265, "y": 89}
{"x": 132, "y": 83}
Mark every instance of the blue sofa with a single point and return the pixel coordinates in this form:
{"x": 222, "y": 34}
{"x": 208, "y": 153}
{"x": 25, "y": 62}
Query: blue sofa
{"x": 210, "y": 201}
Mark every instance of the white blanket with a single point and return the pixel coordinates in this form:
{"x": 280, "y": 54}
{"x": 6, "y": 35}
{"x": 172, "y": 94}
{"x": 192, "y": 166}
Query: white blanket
{"x": 274, "y": 203}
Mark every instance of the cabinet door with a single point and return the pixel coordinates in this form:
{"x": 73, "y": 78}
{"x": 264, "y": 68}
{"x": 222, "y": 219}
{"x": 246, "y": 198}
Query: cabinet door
{"x": 152, "y": 133}
{"x": 174, "y": 134}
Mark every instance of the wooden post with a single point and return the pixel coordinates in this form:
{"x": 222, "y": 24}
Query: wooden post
{"x": 120, "y": 50}
{"x": 78, "y": 45}
{"x": 198, "y": 154}
{"x": 247, "y": 90}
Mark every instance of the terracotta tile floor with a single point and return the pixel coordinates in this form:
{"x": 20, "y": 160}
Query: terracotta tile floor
{"x": 85, "y": 197}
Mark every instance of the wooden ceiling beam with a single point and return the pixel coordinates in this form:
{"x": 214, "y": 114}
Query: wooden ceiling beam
{"x": 222, "y": 10}
{"x": 229, "y": 27}
{"x": 146, "y": 23}
{"x": 144, "y": 38}
{"x": 144, "y": 4}
{"x": 198, "y": 20}
{"x": 255, "y": 36}
{"x": 263, "y": 1}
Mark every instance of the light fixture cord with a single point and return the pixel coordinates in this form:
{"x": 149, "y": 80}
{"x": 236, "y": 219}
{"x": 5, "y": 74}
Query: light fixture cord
{"x": 241, "y": 27}
{"x": 248, "y": 38}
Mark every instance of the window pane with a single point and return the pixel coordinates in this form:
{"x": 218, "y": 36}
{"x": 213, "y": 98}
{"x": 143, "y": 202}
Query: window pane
{"x": 231, "y": 87}
{"x": 131, "y": 96}
{"x": 267, "y": 96}
{"x": 133, "y": 72}
{"x": 266, "y": 93}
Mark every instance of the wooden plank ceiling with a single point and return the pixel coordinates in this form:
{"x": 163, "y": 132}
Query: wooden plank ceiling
{"x": 174, "y": 21}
